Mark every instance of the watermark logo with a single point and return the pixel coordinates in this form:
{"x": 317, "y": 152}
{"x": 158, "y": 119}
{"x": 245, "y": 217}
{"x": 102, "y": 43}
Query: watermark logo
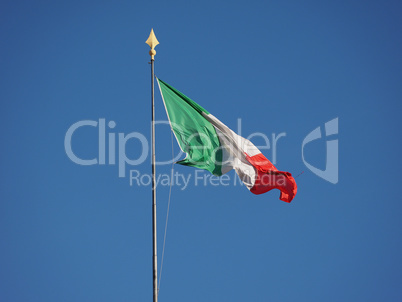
{"x": 331, "y": 168}
{"x": 111, "y": 150}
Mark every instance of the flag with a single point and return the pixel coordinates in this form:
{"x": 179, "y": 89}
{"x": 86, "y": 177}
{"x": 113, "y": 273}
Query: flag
{"x": 212, "y": 146}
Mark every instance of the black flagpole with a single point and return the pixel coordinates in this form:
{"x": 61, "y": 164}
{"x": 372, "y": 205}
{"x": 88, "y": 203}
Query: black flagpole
{"x": 152, "y": 42}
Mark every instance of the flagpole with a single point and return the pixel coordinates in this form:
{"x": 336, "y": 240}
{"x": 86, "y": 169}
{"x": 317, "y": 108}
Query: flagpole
{"x": 152, "y": 42}
{"x": 155, "y": 262}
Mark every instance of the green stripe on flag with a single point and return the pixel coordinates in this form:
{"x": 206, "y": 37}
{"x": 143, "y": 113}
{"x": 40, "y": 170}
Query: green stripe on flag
{"x": 195, "y": 135}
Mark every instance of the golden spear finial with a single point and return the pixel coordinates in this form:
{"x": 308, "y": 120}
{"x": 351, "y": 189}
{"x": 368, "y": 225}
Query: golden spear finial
{"x": 152, "y": 42}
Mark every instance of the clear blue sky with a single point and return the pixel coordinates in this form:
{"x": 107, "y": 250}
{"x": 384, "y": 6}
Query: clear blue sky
{"x": 82, "y": 233}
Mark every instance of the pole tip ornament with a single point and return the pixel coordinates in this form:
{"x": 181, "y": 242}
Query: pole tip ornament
{"x": 152, "y": 42}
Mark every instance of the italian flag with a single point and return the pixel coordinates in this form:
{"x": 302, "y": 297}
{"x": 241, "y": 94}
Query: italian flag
{"x": 211, "y": 145}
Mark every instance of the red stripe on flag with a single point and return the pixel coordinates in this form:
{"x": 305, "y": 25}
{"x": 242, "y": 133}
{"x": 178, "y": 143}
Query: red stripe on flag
{"x": 268, "y": 177}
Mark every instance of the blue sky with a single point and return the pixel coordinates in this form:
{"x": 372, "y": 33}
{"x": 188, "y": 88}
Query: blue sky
{"x": 82, "y": 233}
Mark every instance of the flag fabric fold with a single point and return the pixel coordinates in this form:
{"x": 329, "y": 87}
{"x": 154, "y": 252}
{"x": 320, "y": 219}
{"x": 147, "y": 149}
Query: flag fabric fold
{"x": 212, "y": 146}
